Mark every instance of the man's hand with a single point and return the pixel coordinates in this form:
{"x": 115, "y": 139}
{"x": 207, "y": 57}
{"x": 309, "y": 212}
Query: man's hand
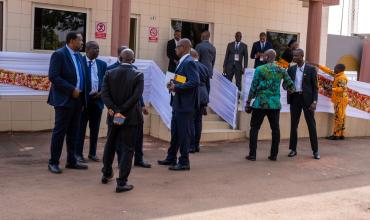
{"x": 118, "y": 115}
{"x": 76, "y": 93}
{"x": 248, "y": 108}
{"x": 110, "y": 112}
{"x": 171, "y": 86}
{"x": 313, "y": 106}
{"x": 145, "y": 111}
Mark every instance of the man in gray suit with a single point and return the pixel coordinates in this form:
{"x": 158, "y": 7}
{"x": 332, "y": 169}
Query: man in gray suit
{"x": 236, "y": 52}
{"x": 207, "y": 52}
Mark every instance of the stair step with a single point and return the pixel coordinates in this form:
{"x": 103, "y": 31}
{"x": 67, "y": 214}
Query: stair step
{"x": 212, "y": 117}
{"x": 212, "y": 135}
{"x": 207, "y": 125}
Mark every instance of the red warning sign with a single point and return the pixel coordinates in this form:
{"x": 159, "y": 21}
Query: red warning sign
{"x": 153, "y": 34}
{"x": 101, "y": 30}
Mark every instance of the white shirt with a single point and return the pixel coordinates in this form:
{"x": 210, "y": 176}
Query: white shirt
{"x": 94, "y": 75}
{"x": 182, "y": 60}
{"x": 263, "y": 44}
{"x": 237, "y": 45}
{"x": 176, "y": 42}
{"x": 299, "y": 78}
{"x": 75, "y": 64}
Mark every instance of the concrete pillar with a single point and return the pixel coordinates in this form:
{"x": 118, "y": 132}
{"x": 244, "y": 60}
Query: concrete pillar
{"x": 314, "y": 31}
{"x": 365, "y": 63}
{"x": 121, "y": 12}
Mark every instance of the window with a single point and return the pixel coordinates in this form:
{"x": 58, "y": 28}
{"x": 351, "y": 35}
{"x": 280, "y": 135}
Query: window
{"x": 190, "y": 30}
{"x": 280, "y": 41}
{"x": 133, "y": 34}
{"x": 1, "y": 24}
{"x": 51, "y": 27}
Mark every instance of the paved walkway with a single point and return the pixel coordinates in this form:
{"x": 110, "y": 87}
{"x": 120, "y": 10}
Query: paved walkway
{"x": 220, "y": 185}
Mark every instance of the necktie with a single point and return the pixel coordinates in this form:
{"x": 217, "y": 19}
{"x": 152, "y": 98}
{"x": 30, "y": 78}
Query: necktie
{"x": 263, "y": 46}
{"x": 80, "y": 73}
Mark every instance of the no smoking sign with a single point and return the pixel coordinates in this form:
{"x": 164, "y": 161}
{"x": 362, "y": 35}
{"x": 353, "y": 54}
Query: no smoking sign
{"x": 101, "y": 30}
{"x": 153, "y": 34}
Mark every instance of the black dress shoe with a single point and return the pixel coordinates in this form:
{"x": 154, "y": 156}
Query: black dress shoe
{"x": 333, "y": 138}
{"x": 179, "y": 167}
{"x": 292, "y": 153}
{"x": 316, "y": 156}
{"x": 124, "y": 188}
{"x": 54, "y": 169}
{"x": 197, "y": 150}
{"x": 341, "y": 137}
{"x": 251, "y": 158}
{"x": 167, "y": 162}
{"x": 272, "y": 158}
{"x": 77, "y": 166}
{"x": 105, "y": 179}
{"x": 94, "y": 158}
{"x": 81, "y": 159}
{"x": 192, "y": 151}
{"x": 142, "y": 164}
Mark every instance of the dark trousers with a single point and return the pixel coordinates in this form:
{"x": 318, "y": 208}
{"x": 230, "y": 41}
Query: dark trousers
{"x": 257, "y": 118}
{"x": 198, "y": 116}
{"x": 238, "y": 76}
{"x": 92, "y": 115}
{"x": 296, "y": 107}
{"x": 67, "y": 122}
{"x": 138, "y": 146}
{"x": 181, "y": 134}
{"x": 124, "y": 137}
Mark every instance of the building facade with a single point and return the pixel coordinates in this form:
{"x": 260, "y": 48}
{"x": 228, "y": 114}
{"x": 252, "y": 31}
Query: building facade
{"x": 41, "y": 25}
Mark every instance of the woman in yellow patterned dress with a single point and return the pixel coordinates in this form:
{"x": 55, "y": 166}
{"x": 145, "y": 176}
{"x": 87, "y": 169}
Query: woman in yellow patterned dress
{"x": 339, "y": 98}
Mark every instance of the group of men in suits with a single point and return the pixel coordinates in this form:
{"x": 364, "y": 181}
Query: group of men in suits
{"x": 80, "y": 87}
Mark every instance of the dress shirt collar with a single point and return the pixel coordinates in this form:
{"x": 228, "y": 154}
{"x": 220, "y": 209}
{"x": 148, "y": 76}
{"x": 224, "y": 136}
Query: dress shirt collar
{"x": 72, "y": 52}
{"x": 183, "y": 58}
{"x": 302, "y": 67}
{"x": 92, "y": 61}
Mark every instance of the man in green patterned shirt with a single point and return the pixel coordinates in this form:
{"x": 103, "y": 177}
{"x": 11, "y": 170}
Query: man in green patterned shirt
{"x": 265, "y": 90}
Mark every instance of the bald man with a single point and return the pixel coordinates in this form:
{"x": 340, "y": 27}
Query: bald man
{"x": 121, "y": 92}
{"x": 207, "y": 52}
{"x": 184, "y": 103}
{"x": 92, "y": 114}
{"x": 304, "y": 99}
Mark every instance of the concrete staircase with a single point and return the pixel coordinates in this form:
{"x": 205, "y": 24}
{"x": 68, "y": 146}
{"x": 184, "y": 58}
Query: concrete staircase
{"x": 214, "y": 128}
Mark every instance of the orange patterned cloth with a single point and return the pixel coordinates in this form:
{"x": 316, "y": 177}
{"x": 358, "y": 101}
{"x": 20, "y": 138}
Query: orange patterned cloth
{"x": 21, "y": 79}
{"x": 282, "y": 63}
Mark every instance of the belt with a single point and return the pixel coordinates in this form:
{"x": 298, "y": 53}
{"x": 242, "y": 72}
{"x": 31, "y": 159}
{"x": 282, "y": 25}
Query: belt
{"x": 298, "y": 93}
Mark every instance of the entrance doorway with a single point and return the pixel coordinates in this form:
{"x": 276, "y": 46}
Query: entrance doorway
{"x": 191, "y": 30}
{"x": 134, "y": 34}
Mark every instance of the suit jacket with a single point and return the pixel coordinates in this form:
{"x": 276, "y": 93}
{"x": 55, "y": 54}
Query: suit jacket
{"x": 186, "y": 98}
{"x": 121, "y": 91}
{"x": 207, "y": 55}
{"x": 204, "y": 86}
{"x": 63, "y": 78}
{"x": 257, "y": 48}
{"x": 309, "y": 84}
{"x": 171, "y": 54}
{"x": 229, "y": 61}
{"x": 117, "y": 64}
{"x": 102, "y": 68}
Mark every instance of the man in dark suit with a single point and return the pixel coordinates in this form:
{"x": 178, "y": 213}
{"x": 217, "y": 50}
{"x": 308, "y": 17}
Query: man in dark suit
{"x": 236, "y": 52}
{"x": 121, "y": 92}
{"x": 184, "y": 103}
{"x": 207, "y": 52}
{"x": 139, "y": 154}
{"x": 304, "y": 98}
{"x": 67, "y": 95}
{"x": 259, "y": 48}
{"x": 204, "y": 76}
{"x": 95, "y": 72}
{"x": 171, "y": 53}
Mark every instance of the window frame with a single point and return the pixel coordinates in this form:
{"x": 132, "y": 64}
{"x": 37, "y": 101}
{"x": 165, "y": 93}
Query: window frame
{"x": 62, "y": 8}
